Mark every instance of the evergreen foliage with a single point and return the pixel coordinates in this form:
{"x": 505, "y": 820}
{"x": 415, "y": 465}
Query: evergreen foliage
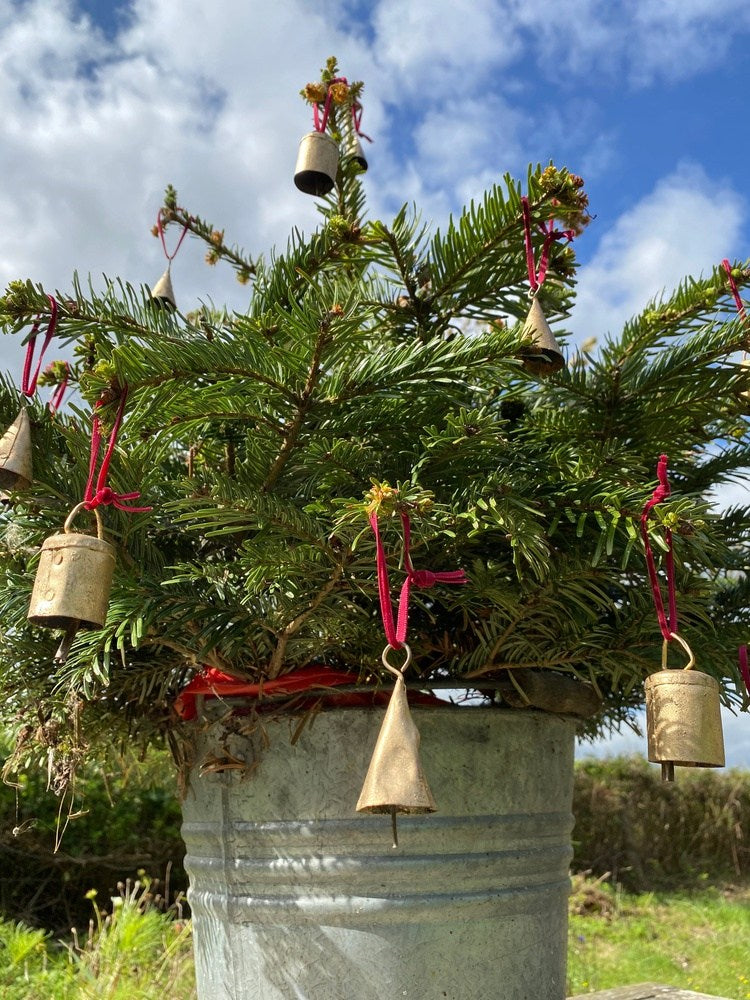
{"x": 380, "y": 353}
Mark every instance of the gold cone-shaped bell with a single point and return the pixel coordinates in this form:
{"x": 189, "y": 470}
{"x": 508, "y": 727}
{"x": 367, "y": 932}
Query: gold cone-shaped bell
{"x": 395, "y": 781}
{"x": 355, "y": 152}
{"x": 73, "y": 579}
{"x": 317, "y": 163}
{"x": 162, "y": 293}
{"x": 15, "y": 454}
{"x": 683, "y": 720}
{"x": 542, "y": 355}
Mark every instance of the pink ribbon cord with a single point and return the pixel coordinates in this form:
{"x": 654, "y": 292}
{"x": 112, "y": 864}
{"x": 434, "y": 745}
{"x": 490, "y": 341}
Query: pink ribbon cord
{"x": 424, "y": 579}
{"x": 667, "y": 625}
{"x": 744, "y": 669}
{"x": 735, "y": 290}
{"x": 357, "y": 121}
{"x": 160, "y": 230}
{"x": 57, "y": 396}
{"x": 103, "y": 495}
{"x": 538, "y": 274}
{"x": 29, "y": 381}
{"x": 320, "y": 121}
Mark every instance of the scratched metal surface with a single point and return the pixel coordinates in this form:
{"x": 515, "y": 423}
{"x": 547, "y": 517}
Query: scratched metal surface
{"x": 295, "y": 896}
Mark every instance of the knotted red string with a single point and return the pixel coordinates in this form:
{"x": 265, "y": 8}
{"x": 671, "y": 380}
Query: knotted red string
{"x": 103, "y": 495}
{"x": 744, "y": 669}
{"x": 160, "y": 230}
{"x": 424, "y": 578}
{"x": 57, "y": 396}
{"x": 357, "y": 120}
{"x": 28, "y": 381}
{"x": 320, "y": 121}
{"x": 734, "y": 289}
{"x": 538, "y": 274}
{"x": 667, "y": 625}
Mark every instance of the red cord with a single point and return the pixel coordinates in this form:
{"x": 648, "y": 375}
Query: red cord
{"x": 160, "y": 230}
{"x": 396, "y": 634}
{"x": 103, "y": 495}
{"x": 734, "y": 289}
{"x": 28, "y": 381}
{"x": 57, "y": 396}
{"x": 667, "y": 625}
{"x": 538, "y": 274}
{"x": 744, "y": 669}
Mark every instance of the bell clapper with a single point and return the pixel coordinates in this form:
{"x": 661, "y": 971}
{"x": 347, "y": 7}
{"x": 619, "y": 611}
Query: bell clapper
{"x": 394, "y": 828}
{"x": 667, "y": 770}
{"x": 66, "y": 642}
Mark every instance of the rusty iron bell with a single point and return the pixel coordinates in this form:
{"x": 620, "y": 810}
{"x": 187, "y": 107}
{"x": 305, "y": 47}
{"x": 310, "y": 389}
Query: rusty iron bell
{"x": 15, "y": 454}
{"x": 162, "y": 294}
{"x": 317, "y": 163}
{"x": 355, "y": 152}
{"x": 683, "y": 718}
{"x": 541, "y": 355}
{"x": 395, "y": 781}
{"x": 73, "y": 581}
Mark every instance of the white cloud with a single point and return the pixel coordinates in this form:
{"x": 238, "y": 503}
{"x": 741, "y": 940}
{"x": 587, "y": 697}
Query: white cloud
{"x": 685, "y": 226}
{"x": 640, "y": 42}
{"x": 439, "y": 49}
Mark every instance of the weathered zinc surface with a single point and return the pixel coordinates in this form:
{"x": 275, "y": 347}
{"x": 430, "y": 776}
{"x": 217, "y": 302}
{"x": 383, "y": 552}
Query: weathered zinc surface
{"x": 646, "y": 991}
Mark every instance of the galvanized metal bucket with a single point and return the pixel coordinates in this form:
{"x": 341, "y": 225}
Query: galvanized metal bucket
{"x": 293, "y": 895}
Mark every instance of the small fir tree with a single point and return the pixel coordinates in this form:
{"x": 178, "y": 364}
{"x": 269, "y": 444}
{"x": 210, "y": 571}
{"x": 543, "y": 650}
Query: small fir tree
{"x": 379, "y": 364}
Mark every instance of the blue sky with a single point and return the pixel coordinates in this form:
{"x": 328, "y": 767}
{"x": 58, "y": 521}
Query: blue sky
{"x": 105, "y": 103}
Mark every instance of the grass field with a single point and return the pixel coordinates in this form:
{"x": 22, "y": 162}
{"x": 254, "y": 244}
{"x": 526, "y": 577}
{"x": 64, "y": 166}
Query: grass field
{"x": 698, "y": 941}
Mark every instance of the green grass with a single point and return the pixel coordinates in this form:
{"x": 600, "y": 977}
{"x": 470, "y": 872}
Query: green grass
{"x": 693, "y": 940}
{"x": 137, "y": 952}
{"x": 696, "y": 941}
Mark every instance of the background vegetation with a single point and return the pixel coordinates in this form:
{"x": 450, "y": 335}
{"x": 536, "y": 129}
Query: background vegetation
{"x": 661, "y": 890}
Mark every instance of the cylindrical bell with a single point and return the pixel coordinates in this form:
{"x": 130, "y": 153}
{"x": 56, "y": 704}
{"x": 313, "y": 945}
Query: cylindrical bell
{"x": 162, "y": 293}
{"x": 541, "y": 355}
{"x": 683, "y": 720}
{"x": 15, "y": 454}
{"x": 317, "y": 163}
{"x": 73, "y": 580}
{"x": 355, "y": 152}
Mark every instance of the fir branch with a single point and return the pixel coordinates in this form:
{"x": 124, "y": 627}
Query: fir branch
{"x": 276, "y": 662}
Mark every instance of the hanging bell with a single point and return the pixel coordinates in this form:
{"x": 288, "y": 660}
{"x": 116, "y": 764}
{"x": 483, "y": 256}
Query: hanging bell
{"x": 317, "y": 163}
{"x": 73, "y": 580}
{"x": 395, "y": 781}
{"x": 162, "y": 294}
{"x": 683, "y": 720}
{"x": 15, "y": 454}
{"x": 355, "y": 153}
{"x": 542, "y": 355}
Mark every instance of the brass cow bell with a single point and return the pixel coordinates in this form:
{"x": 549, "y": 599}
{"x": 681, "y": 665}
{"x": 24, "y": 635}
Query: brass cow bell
{"x": 317, "y": 163}
{"x": 541, "y": 355}
{"x": 15, "y": 454}
{"x": 683, "y": 720}
{"x": 162, "y": 294}
{"x": 395, "y": 781}
{"x": 73, "y": 581}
